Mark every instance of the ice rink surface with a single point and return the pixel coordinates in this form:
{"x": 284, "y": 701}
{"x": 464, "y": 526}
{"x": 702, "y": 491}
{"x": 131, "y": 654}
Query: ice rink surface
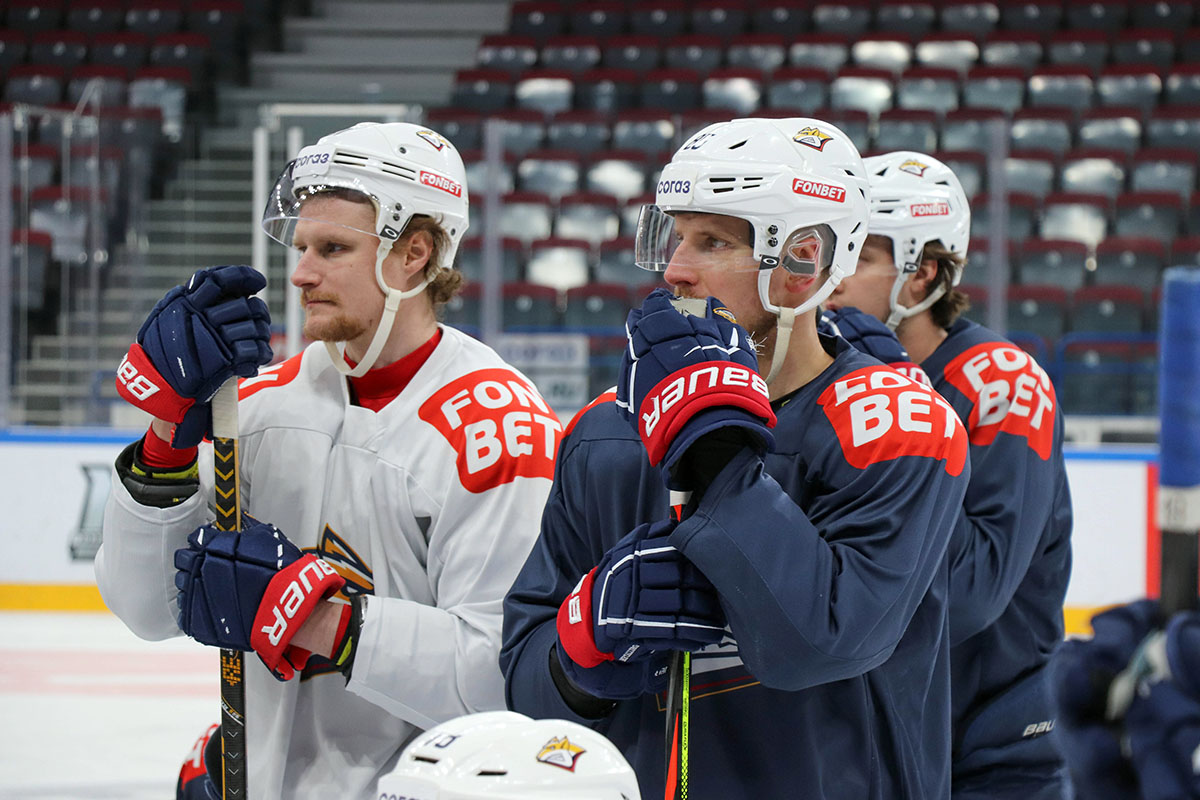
{"x": 88, "y": 710}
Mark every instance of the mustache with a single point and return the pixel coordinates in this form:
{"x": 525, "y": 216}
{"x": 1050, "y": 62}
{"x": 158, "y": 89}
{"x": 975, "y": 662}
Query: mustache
{"x": 314, "y": 297}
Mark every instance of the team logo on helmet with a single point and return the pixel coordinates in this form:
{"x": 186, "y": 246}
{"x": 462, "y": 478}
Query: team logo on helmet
{"x": 812, "y": 137}
{"x": 560, "y": 753}
{"x": 434, "y": 138}
{"x": 914, "y": 167}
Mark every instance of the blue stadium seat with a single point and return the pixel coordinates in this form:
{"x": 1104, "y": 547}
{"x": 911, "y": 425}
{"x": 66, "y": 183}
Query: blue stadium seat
{"x": 912, "y": 18}
{"x": 598, "y": 309}
{"x": 1156, "y": 214}
{"x": 765, "y": 52}
{"x": 635, "y": 52}
{"x": 553, "y": 173}
{"x": 559, "y": 263}
{"x": 1011, "y": 49}
{"x": 546, "y": 90}
{"x": 599, "y": 18}
{"x": 1130, "y": 261}
{"x": 999, "y": 88}
{"x": 928, "y": 89}
{"x": 736, "y": 90}
{"x": 1053, "y": 262}
{"x": 529, "y": 307}
{"x": 847, "y": 17}
{"x": 1157, "y": 169}
{"x": 888, "y": 51}
{"x": 1078, "y": 48}
{"x": 975, "y": 17}
{"x": 507, "y": 53}
{"x": 1038, "y": 310}
{"x": 1032, "y": 171}
{"x": 1114, "y": 127}
{"x": 1136, "y": 85}
{"x": 607, "y": 90}
{"x": 582, "y": 132}
{"x": 700, "y": 53}
{"x": 615, "y": 262}
{"x": 861, "y": 89}
{"x": 1077, "y": 216}
{"x": 1107, "y": 309}
{"x": 575, "y": 54}
{"x": 955, "y": 51}
{"x": 1152, "y": 46}
{"x": 802, "y": 88}
{"x": 1094, "y": 170}
{"x": 669, "y": 90}
{"x": 590, "y": 216}
{"x": 1061, "y": 87}
{"x": 661, "y": 18}
{"x": 538, "y": 19}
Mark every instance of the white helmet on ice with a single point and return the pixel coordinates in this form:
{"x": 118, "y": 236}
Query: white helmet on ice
{"x": 799, "y": 182}
{"x": 502, "y": 755}
{"x": 404, "y": 169}
{"x": 915, "y": 200}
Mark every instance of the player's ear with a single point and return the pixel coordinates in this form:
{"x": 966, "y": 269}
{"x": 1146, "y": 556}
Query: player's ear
{"x": 924, "y": 279}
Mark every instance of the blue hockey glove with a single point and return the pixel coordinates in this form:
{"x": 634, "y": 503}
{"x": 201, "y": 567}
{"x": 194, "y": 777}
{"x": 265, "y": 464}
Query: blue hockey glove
{"x": 197, "y": 337}
{"x": 250, "y": 590}
{"x": 1163, "y": 720}
{"x": 613, "y": 680}
{"x": 1081, "y": 673}
{"x": 643, "y": 596}
{"x": 868, "y": 335}
{"x": 200, "y": 775}
{"x": 684, "y": 375}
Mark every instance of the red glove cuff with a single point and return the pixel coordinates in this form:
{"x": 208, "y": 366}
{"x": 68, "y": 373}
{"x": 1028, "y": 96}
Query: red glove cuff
{"x": 686, "y": 392}
{"x": 287, "y": 603}
{"x": 575, "y": 621}
{"x": 139, "y": 383}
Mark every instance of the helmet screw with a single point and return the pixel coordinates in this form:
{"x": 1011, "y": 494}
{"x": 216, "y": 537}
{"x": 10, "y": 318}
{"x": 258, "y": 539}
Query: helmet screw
{"x": 774, "y": 229}
{"x": 772, "y": 242}
{"x": 403, "y": 150}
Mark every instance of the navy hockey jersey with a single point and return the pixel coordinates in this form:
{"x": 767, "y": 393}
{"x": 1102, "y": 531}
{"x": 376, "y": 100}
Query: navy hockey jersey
{"x": 829, "y": 558}
{"x": 1010, "y": 557}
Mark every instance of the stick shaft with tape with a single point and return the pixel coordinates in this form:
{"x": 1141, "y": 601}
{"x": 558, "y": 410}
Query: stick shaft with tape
{"x": 1179, "y": 438}
{"x": 229, "y": 515}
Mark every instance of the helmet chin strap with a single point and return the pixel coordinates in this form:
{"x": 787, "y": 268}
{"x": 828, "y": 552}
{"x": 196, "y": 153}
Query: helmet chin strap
{"x": 391, "y": 305}
{"x": 900, "y": 313}
{"x": 786, "y": 317}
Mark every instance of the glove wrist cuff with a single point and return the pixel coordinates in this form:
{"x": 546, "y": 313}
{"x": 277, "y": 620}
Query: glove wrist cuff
{"x": 576, "y": 633}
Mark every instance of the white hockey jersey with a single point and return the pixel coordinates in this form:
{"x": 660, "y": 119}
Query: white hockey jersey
{"x": 429, "y": 507}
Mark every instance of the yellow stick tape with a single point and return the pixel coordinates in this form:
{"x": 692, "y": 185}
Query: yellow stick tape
{"x": 50, "y": 597}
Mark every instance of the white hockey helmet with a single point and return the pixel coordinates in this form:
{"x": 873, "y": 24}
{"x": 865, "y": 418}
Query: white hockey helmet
{"x": 799, "y": 182}
{"x": 502, "y": 755}
{"x": 915, "y": 200}
{"x": 405, "y": 169}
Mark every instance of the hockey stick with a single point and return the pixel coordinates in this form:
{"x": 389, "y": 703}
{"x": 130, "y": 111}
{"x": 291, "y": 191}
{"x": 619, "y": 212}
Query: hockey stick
{"x": 229, "y": 516}
{"x": 679, "y": 699}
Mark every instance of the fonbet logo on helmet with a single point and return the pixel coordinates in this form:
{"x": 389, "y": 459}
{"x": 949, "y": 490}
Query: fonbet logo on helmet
{"x": 441, "y": 182}
{"x": 559, "y": 752}
{"x": 813, "y": 137}
{"x": 825, "y": 191}
{"x": 929, "y": 209}
{"x": 914, "y": 167}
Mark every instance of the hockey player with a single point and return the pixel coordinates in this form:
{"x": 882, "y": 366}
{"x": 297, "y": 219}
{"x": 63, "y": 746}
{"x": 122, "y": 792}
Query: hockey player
{"x": 502, "y": 755}
{"x": 1129, "y": 705}
{"x": 1010, "y": 558}
{"x": 395, "y": 470}
{"x": 808, "y": 574}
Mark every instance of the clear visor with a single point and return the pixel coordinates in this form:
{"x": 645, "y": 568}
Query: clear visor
{"x": 311, "y": 201}
{"x": 704, "y": 240}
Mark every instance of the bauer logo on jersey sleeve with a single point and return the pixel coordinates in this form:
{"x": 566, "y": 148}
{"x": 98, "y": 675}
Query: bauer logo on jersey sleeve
{"x": 1010, "y": 392}
{"x": 880, "y": 415}
{"x": 499, "y": 426}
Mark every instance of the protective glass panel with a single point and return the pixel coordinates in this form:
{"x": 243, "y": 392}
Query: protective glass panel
{"x": 657, "y": 243}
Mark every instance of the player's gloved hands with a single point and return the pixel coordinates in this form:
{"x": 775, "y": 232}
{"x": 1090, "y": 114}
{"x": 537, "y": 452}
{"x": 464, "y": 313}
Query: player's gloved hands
{"x": 1080, "y": 674}
{"x": 251, "y": 590}
{"x": 201, "y": 773}
{"x": 683, "y": 376}
{"x": 643, "y": 596}
{"x": 614, "y": 680}
{"x": 197, "y": 337}
{"x": 868, "y": 335}
{"x": 1163, "y": 720}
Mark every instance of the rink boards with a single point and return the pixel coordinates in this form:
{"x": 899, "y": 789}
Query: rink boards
{"x": 53, "y": 487}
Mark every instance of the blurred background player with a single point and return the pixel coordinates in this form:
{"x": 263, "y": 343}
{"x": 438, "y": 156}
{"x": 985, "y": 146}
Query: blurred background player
{"x": 1010, "y": 557}
{"x": 403, "y": 453}
{"x": 502, "y": 755}
{"x": 821, "y": 510}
